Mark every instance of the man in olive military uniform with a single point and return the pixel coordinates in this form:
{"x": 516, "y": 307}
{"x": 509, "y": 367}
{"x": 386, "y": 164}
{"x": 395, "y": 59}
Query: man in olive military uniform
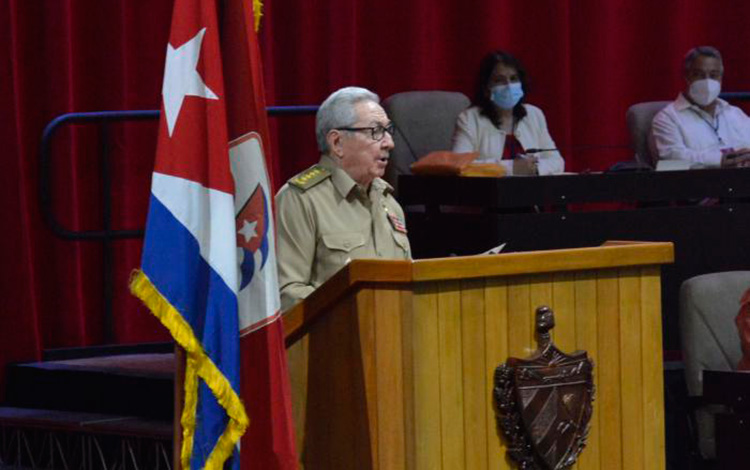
{"x": 339, "y": 209}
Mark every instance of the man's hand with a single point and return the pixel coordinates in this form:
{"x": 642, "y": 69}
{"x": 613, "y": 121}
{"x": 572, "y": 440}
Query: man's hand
{"x": 736, "y": 159}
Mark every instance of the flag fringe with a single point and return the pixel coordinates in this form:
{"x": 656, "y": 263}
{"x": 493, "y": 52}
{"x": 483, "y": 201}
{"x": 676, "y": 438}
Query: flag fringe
{"x": 189, "y": 410}
{"x": 198, "y": 365}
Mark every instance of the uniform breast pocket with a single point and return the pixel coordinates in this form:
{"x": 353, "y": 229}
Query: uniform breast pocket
{"x": 402, "y": 241}
{"x": 337, "y": 249}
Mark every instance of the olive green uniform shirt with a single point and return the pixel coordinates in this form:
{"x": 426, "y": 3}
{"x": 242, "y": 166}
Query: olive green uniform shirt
{"x": 324, "y": 220}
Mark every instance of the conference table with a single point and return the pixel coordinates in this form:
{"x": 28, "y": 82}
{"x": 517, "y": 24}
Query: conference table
{"x": 706, "y": 213}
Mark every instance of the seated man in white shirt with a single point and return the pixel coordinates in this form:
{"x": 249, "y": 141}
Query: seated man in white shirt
{"x": 698, "y": 127}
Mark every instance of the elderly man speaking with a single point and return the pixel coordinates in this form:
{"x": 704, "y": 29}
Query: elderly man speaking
{"x": 339, "y": 209}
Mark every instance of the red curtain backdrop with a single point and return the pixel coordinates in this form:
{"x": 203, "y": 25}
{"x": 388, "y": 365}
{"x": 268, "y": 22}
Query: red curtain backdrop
{"x": 588, "y": 60}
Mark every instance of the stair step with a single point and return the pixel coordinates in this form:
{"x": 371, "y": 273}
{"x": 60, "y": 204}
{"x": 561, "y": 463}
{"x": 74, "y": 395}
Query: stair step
{"x": 60, "y": 354}
{"x": 138, "y": 385}
{"x": 93, "y": 423}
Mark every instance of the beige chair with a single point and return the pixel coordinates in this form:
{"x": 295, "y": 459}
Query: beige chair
{"x": 639, "y": 118}
{"x": 425, "y": 121}
{"x": 708, "y": 306}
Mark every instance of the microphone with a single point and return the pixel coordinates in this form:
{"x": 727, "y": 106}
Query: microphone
{"x": 540, "y": 150}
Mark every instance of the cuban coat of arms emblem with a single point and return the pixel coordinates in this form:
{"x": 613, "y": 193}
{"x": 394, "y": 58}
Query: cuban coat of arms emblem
{"x": 544, "y": 402}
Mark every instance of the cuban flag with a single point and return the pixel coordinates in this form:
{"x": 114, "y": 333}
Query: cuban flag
{"x": 209, "y": 269}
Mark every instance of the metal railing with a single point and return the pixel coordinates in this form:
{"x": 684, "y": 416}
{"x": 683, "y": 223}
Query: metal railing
{"x": 106, "y": 235}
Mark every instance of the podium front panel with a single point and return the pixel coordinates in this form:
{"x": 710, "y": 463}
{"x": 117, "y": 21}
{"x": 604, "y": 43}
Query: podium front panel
{"x": 400, "y": 375}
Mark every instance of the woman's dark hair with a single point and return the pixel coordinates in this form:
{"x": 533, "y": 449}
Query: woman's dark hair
{"x": 482, "y": 99}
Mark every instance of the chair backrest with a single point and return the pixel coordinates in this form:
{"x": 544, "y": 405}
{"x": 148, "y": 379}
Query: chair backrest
{"x": 708, "y": 307}
{"x": 425, "y": 122}
{"x": 639, "y": 118}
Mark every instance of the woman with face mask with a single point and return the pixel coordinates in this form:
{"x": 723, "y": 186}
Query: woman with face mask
{"x": 501, "y": 127}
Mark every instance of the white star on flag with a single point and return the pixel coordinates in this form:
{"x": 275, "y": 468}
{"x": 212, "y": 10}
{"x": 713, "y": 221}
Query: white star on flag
{"x": 182, "y": 79}
{"x": 248, "y": 230}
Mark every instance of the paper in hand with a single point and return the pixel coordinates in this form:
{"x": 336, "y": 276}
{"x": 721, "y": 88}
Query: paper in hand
{"x": 496, "y": 250}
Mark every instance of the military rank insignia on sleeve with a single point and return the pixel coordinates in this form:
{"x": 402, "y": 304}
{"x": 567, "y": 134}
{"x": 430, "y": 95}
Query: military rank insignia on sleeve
{"x": 310, "y": 177}
{"x": 397, "y": 222}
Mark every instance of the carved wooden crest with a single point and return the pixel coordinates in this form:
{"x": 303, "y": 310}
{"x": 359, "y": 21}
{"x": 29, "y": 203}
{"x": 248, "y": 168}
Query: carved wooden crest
{"x": 544, "y": 402}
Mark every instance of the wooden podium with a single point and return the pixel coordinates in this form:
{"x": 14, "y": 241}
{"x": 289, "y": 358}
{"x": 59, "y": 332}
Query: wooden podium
{"x": 391, "y": 362}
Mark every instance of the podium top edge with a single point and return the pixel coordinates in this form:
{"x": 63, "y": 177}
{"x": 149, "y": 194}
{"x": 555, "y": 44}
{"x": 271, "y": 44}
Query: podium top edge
{"x": 614, "y": 254}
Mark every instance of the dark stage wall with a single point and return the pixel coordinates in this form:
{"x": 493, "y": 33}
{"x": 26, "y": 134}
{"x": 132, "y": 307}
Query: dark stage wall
{"x": 588, "y": 61}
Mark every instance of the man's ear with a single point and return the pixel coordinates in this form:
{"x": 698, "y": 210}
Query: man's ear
{"x": 335, "y": 143}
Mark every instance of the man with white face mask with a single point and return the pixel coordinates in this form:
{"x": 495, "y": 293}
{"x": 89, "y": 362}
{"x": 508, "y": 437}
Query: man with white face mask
{"x": 698, "y": 126}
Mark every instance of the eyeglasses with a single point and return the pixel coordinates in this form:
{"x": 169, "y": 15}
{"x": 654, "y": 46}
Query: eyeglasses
{"x": 377, "y": 132}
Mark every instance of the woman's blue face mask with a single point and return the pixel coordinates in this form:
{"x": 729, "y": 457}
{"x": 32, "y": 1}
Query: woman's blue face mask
{"x": 506, "y": 96}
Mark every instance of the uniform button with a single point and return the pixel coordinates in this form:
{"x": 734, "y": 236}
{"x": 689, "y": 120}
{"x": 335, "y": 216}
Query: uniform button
{"x": 347, "y": 244}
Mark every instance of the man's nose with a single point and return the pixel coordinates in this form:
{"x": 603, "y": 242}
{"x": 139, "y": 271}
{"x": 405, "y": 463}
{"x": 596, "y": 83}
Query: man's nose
{"x": 387, "y": 141}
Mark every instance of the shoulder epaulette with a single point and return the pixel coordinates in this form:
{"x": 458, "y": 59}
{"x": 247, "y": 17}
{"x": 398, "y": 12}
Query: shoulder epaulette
{"x": 310, "y": 177}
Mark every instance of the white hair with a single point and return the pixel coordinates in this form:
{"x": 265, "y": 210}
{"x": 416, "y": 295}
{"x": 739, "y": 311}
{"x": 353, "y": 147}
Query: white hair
{"x": 338, "y": 111}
